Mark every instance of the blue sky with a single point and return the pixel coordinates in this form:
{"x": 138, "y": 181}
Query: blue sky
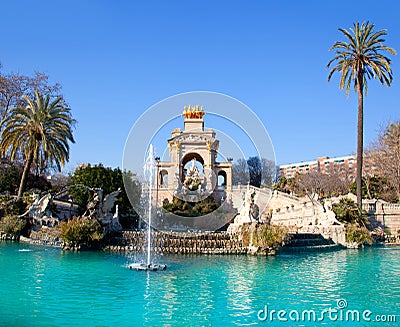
{"x": 115, "y": 59}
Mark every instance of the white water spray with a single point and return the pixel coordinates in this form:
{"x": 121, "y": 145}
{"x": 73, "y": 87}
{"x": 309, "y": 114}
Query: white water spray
{"x": 148, "y": 170}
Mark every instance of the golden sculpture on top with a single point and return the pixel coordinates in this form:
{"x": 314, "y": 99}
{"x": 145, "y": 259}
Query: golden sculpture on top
{"x": 193, "y": 112}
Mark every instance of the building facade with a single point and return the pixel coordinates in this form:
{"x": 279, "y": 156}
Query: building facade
{"x": 344, "y": 166}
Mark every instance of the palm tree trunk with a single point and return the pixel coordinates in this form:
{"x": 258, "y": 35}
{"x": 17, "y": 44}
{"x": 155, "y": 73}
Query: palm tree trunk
{"x": 360, "y": 132}
{"x": 24, "y": 177}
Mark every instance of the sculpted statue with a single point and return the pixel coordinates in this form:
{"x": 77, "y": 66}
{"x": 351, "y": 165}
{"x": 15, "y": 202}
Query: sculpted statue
{"x": 249, "y": 211}
{"x": 193, "y": 171}
{"x": 192, "y": 178}
{"x": 249, "y": 202}
{"x": 94, "y": 205}
{"x": 101, "y": 209}
{"x": 40, "y": 207}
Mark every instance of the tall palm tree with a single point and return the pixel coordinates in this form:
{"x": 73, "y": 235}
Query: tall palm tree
{"x": 40, "y": 131}
{"x": 357, "y": 60}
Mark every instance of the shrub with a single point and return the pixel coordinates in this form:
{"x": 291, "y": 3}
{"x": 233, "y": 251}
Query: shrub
{"x": 264, "y": 235}
{"x": 357, "y": 234}
{"x": 270, "y": 236}
{"x": 81, "y": 231}
{"x": 388, "y": 232}
{"x": 191, "y": 209}
{"x": 245, "y": 233}
{"x": 12, "y": 225}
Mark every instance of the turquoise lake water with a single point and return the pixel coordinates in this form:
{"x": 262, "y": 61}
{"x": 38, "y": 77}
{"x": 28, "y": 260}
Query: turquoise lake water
{"x": 43, "y": 286}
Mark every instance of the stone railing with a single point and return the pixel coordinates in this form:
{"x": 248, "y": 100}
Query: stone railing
{"x": 384, "y": 215}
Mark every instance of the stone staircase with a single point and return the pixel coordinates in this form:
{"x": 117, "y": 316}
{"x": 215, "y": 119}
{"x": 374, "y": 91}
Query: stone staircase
{"x": 306, "y": 242}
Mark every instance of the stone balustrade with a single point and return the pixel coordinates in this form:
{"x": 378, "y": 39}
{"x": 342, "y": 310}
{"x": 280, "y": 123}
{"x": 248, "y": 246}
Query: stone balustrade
{"x": 385, "y": 215}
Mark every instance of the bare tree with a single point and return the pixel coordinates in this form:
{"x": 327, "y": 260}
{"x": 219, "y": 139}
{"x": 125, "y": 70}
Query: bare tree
{"x": 268, "y": 175}
{"x": 254, "y": 171}
{"x": 13, "y": 86}
{"x": 385, "y": 156}
{"x": 316, "y": 185}
{"x": 240, "y": 172}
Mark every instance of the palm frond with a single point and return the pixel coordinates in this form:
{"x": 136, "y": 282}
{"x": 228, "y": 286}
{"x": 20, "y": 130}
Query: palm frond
{"x": 361, "y": 53}
{"x": 43, "y": 126}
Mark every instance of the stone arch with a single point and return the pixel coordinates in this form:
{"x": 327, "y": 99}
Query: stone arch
{"x": 187, "y": 159}
{"x": 222, "y": 178}
{"x": 163, "y": 178}
{"x": 189, "y": 156}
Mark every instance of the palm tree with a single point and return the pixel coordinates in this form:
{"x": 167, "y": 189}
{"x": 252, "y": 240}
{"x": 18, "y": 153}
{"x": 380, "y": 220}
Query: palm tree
{"x": 357, "y": 60}
{"x": 40, "y": 131}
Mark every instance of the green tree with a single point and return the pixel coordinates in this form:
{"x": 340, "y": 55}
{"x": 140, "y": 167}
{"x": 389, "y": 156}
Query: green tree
{"x": 348, "y": 212}
{"x": 9, "y": 179}
{"x": 376, "y": 187}
{"x": 41, "y": 131}
{"x": 108, "y": 180}
{"x": 358, "y": 60}
{"x": 280, "y": 184}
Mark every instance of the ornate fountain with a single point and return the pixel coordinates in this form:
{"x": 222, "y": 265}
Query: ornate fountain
{"x": 148, "y": 170}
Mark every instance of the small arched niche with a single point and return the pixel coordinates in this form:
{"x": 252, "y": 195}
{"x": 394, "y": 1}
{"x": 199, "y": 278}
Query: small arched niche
{"x": 163, "y": 178}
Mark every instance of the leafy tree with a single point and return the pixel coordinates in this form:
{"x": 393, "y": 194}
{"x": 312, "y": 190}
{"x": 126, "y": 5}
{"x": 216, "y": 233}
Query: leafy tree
{"x": 357, "y": 60}
{"x": 376, "y": 187}
{"x": 41, "y": 131}
{"x": 348, "y": 212}
{"x": 108, "y": 180}
{"x": 9, "y": 179}
{"x": 281, "y": 184}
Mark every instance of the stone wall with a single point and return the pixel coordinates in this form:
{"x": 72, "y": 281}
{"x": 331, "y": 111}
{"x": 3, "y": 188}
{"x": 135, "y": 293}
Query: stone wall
{"x": 45, "y": 236}
{"x": 8, "y": 237}
{"x": 180, "y": 243}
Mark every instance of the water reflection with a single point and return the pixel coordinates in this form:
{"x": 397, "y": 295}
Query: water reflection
{"x": 51, "y": 288}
